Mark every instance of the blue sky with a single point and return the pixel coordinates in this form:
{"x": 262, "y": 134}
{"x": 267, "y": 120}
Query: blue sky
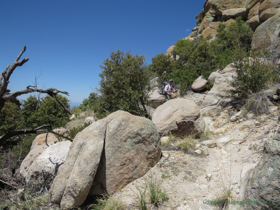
{"x": 68, "y": 40}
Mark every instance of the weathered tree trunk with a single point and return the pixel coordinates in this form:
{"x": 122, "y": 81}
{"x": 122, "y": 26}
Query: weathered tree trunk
{"x": 5, "y": 94}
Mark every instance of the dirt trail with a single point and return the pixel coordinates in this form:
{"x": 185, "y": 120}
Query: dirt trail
{"x": 192, "y": 180}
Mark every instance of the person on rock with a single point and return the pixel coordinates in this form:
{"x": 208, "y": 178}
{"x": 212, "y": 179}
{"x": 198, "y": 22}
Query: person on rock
{"x": 169, "y": 91}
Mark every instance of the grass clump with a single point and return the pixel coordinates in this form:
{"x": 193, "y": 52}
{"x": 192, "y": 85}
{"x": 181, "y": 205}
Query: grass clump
{"x": 25, "y": 199}
{"x": 107, "y": 203}
{"x": 223, "y": 198}
{"x": 257, "y": 103}
{"x": 156, "y": 193}
{"x": 187, "y": 143}
{"x": 141, "y": 199}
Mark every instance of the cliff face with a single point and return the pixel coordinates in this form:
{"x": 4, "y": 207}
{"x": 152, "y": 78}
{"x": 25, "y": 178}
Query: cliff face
{"x": 262, "y": 16}
{"x": 255, "y": 12}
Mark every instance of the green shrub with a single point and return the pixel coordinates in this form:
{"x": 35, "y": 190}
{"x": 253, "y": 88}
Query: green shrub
{"x": 10, "y": 118}
{"x": 253, "y": 74}
{"x": 123, "y": 82}
{"x": 46, "y": 110}
{"x": 161, "y": 66}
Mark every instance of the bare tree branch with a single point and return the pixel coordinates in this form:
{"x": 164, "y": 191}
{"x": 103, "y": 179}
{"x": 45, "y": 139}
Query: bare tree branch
{"x": 8, "y": 184}
{"x": 35, "y": 130}
{"x": 8, "y": 72}
{"x": 50, "y": 91}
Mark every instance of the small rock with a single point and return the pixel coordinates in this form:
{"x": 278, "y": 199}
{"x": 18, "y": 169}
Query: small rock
{"x": 72, "y": 117}
{"x": 164, "y": 139}
{"x": 275, "y": 97}
{"x": 166, "y": 164}
{"x": 208, "y": 176}
{"x": 236, "y": 116}
{"x": 223, "y": 141}
{"x": 205, "y": 152}
{"x": 257, "y": 123}
{"x": 233, "y": 118}
{"x": 250, "y": 116}
{"x": 197, "y": 146}
{"x": 209, "y": 143}
{"x": 198, "y": 151}
{"x": 164, "y": 154}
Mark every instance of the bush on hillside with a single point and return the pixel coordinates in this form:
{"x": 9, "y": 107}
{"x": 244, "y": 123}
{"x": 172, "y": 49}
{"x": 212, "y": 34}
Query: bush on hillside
{"x": 254, "y": 73}
{"x": 10, "y": 118}
{"x": 238, "y": 35}
{"x": 123, "y": 82}
{"x": 201, "y": 57}
{"x": 161, "y": 66}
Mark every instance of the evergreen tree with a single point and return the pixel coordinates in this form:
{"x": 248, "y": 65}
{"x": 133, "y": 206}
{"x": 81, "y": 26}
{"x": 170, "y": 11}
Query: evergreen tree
{"x": 123, "y": 82}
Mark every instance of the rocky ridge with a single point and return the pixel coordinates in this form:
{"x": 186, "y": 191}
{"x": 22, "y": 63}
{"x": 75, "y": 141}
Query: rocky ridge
{"x": 261, "y": 15}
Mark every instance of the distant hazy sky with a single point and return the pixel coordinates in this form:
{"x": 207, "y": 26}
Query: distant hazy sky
{"x": 67, "y": 40}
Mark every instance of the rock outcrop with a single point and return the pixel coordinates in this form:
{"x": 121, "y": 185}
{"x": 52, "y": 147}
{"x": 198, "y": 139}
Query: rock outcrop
{"x": 262, "y": 183}
{"x": 260, "y": 14}
{"x": 267, "y": 35}
{"x": 48, "y": 162}
{"x": 178, "y": 116}
{"x": 222, "y": 85}
{"x": 39, "y": 144}
{"x": 106, "y": 156}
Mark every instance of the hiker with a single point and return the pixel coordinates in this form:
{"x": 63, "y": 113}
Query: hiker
{"x": 169, "y": 90}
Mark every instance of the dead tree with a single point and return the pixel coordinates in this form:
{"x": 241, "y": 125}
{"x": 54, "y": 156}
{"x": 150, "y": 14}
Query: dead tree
{"x": 5, "y": 95}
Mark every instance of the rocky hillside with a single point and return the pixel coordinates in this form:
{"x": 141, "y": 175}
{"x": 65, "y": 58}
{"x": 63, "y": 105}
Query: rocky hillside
{"x": 263, "y": 17}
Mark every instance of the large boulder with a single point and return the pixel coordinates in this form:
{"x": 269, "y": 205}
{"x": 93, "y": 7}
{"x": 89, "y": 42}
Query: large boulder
{"x": 106, "y": 156}
{"x": 178, "y": 116}
{"x": 262, "y": 183}
{"x": 251, "y": 3}
{"x": 254, "y": 22}
{"x": 254, "y": 11}
{"x": 234, "y": 13}
{"x": 39, "y": 144}
{"x": 48, "y": 162}
{"x": 267, "y": 34}
{"x": 218, "y": 6}
{"x": 269, "y": 8}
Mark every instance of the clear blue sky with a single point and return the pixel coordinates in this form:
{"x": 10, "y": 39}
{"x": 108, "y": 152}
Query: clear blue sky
{"x": 68, "y": 40}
